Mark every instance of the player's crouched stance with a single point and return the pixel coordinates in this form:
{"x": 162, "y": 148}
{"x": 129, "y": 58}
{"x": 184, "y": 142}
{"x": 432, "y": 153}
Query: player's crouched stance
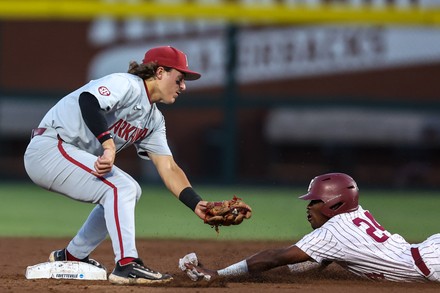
{"x": 343, "y": 233}
{"x": 73, "y": 150}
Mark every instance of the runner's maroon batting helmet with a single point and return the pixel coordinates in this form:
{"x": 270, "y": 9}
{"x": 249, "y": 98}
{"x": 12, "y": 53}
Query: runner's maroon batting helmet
{"x": 338, "y": 191}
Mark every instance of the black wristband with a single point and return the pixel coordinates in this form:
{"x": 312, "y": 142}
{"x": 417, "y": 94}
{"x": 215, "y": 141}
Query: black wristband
{"x": 190, "y": 198}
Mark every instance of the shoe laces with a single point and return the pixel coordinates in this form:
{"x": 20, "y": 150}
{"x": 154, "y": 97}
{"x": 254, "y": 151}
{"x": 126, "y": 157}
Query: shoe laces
{"x": 144, "y": 267}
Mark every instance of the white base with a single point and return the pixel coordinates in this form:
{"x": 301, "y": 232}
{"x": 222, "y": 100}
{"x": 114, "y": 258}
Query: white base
{"x": 73, "y": 270}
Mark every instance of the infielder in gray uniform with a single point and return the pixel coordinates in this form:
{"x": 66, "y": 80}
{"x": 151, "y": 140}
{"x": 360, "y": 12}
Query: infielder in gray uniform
{"x": 343, "y": 233}
{"x": 73, "y": 150}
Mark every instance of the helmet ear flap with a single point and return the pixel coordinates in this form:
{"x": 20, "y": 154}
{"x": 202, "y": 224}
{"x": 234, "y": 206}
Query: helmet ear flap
{"x": 331, "y": 207}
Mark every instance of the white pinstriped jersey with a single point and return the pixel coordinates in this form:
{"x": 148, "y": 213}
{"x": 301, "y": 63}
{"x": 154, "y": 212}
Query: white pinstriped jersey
{"x": 361, "y": 245}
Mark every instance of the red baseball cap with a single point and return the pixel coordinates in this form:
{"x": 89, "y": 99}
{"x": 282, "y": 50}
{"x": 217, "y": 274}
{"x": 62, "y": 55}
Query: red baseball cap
{"x": 171, "y": 57}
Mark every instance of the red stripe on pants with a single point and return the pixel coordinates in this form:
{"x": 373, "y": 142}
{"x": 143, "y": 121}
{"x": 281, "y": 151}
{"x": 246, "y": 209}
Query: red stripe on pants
{"x": 105, "y": 181}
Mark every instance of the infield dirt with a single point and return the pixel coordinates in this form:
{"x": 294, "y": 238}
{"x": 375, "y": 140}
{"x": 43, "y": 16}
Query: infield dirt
{"x": 163, "y": 255}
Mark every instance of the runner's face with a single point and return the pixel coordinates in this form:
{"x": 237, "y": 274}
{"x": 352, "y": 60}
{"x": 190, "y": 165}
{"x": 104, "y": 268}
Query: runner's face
{"x": 172, "y": 85}
{"x": 314, "y": 215}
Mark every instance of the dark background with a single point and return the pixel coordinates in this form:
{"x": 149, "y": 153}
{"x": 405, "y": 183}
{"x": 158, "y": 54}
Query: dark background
{"x": 217, "y": 134}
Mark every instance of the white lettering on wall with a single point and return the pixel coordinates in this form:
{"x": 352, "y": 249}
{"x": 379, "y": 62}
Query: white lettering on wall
{"x": 281, "y": 53}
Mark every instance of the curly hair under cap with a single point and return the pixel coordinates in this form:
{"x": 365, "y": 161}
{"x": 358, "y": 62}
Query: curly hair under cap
{"x": 144, "y": 70}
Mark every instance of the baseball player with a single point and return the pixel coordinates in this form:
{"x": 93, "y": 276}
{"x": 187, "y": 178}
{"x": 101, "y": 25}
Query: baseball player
{"x": 343, "y": 233}
{"x": 73, "y": 151}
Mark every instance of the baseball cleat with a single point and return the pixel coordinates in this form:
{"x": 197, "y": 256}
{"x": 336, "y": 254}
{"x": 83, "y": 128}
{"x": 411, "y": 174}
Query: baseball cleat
{"x": 60, "y": 255}
{"x": 136, "y": 273}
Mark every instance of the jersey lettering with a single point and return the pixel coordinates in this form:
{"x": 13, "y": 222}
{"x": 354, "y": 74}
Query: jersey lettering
{"x": 372, "y": 227}
{"x": 125, "y": 132}
{"x": 128, "y": 132}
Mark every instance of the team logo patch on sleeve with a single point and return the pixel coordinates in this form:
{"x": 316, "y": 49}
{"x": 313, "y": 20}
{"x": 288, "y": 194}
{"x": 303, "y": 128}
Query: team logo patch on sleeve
{"x": 104, "y": 91}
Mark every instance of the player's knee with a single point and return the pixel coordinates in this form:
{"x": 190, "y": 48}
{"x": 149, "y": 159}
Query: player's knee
{"x": 138, "y": 191}
{"x": 131, "y": 190}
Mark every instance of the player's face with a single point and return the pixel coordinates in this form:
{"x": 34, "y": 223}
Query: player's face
{"x": 172, "y": 85}
{"x": 314, "y": 215}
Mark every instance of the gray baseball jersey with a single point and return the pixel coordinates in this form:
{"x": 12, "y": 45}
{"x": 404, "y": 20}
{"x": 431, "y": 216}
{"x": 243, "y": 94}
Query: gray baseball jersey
{"x": 130, "y": 116}
{"x": 62, "y": 158}
{"x": 359, "y": 243}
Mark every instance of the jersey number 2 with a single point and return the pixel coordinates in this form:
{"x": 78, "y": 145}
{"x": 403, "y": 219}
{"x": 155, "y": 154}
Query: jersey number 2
{"x": 373, "y": 227}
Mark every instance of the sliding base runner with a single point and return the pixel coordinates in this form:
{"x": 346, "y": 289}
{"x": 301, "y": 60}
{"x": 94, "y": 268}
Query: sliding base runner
{"x": 73, "y": 270}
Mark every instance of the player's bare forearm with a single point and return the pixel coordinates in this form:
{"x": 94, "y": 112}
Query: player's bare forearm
{"x": 259, "y": 262}
{"x": 104, "y": 163}
{"x": 272, "y": 258}
{"x": 172, "y": 175}
{"x": 175, "y": 179}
